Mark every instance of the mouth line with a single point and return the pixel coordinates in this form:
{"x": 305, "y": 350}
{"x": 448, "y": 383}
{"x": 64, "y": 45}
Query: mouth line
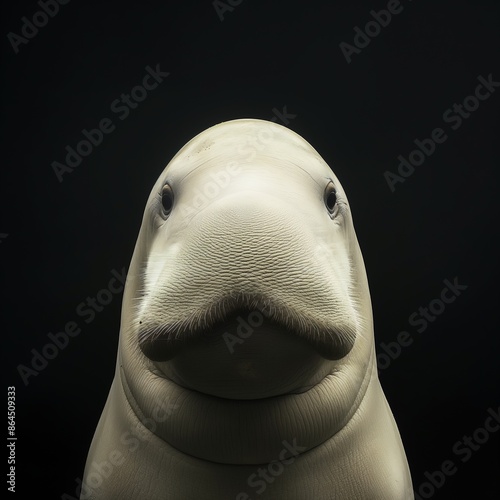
{"x": 161, "y": 342}
{"x": 161, "y": 375}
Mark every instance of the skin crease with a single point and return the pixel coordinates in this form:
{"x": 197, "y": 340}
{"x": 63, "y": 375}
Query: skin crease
{"x": 202, "y": 407}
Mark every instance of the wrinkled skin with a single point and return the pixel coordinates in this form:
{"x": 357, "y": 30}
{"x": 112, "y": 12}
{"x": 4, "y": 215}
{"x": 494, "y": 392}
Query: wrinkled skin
{"x": 247, "y": 232}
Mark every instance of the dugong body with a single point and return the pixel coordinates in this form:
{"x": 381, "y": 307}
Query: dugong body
{"x": 246, "y": 363}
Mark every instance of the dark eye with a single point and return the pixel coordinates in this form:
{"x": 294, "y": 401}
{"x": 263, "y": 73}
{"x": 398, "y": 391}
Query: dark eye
{"x": 167, "y": 199}
{"x": 330, "y": 198}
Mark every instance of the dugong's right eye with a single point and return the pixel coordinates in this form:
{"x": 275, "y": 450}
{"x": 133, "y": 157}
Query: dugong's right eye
{"x": 167, "y": 199}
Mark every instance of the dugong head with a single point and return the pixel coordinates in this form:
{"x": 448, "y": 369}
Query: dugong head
{"x": 247, "y": 300}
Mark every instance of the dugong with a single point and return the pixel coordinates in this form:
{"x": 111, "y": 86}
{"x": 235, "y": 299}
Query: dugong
{"x": 246, "y": 364}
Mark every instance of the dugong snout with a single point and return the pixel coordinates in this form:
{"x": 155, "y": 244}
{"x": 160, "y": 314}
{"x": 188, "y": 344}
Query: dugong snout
{"x": 243, "y": 260}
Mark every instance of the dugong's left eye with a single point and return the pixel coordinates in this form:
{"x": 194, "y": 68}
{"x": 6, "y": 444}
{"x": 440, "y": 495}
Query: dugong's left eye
{"x": 167, "y": 199}
{"x": 330, "y": 198}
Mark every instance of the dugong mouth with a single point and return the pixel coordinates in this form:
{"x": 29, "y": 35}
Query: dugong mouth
{"x": 246, "y": 353}
{"x": 235, "y": 321}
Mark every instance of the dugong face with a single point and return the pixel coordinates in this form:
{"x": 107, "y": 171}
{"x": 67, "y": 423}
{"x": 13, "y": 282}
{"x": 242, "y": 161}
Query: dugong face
{"x": 247, "y": 283}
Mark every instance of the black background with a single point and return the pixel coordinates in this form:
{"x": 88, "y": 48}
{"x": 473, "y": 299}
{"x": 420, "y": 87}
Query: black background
{"x": 64, "y": 238}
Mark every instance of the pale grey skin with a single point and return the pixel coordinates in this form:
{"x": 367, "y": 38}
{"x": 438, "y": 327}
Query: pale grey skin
{"x": 206, "y": 418}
